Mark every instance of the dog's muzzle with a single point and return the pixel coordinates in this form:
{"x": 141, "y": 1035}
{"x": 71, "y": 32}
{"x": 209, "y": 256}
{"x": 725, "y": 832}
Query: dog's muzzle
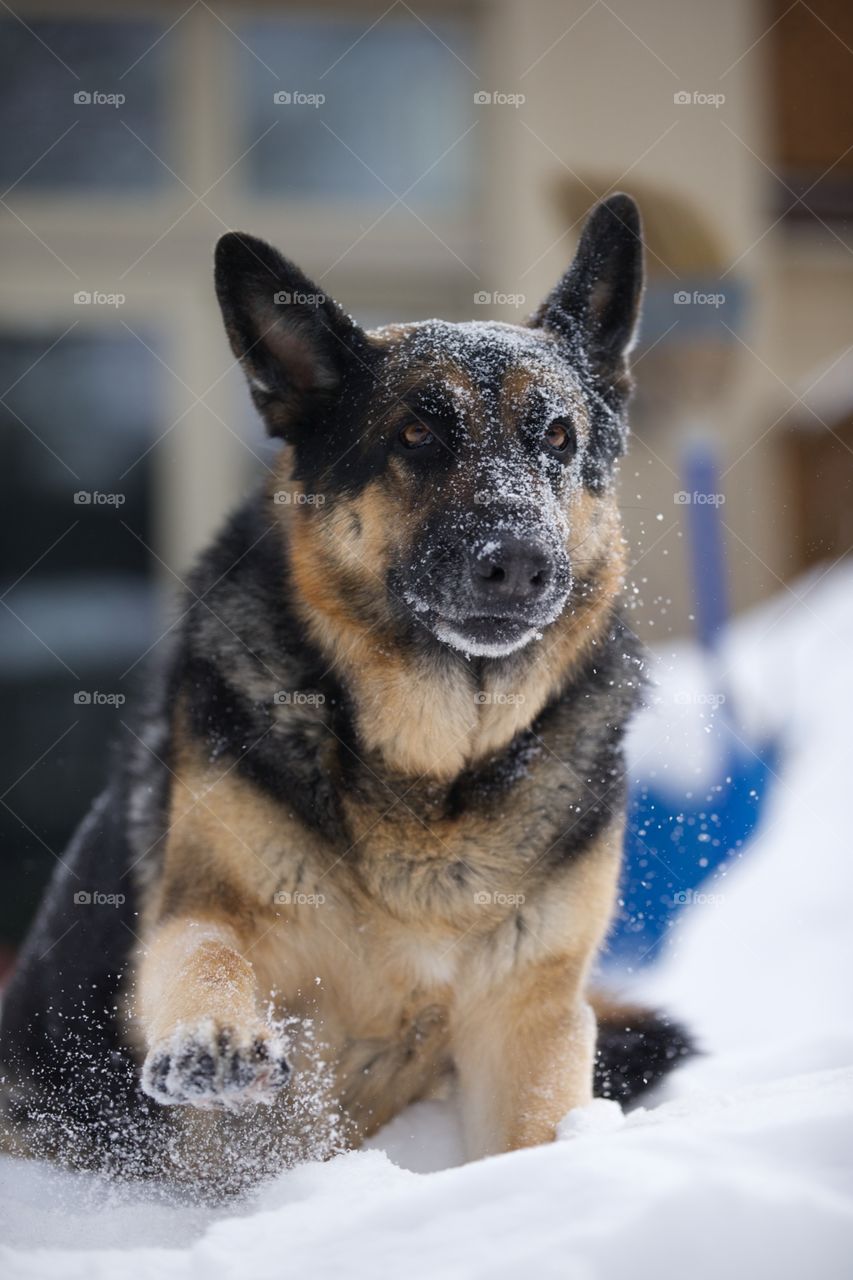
{"x": 491, "y": 595}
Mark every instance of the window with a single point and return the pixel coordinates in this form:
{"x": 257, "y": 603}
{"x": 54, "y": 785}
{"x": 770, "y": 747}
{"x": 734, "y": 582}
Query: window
{"x": 320, "y": 106}
{"x": 69, "y": 93}
{"x": 78, "y": 415}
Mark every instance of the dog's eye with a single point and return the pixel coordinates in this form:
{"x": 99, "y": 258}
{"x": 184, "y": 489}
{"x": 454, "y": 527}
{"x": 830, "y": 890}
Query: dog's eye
{"x": 559, "y": 437}
{"x": 416, "y": 435}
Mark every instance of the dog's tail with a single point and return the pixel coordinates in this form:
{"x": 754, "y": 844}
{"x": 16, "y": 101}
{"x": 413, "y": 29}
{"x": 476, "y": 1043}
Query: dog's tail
{"x": 636, "y": 1048}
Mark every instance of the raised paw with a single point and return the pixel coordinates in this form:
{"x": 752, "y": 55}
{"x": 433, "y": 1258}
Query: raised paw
{"x": 207, "y": 1065}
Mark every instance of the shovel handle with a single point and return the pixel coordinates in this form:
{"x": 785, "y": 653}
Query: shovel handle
{"x": 702, "y": 498}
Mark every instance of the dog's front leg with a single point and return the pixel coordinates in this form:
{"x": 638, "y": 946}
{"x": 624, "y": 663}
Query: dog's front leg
{"x": 524, "y": 1055}
{"x": 524, "y": 1038}
{"x": 207, "y": 1043}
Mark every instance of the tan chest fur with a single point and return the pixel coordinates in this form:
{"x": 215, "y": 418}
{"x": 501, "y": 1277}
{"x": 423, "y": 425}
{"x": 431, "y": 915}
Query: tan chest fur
{"x": 378, "y": 946}
{"x": 384, "y": 992}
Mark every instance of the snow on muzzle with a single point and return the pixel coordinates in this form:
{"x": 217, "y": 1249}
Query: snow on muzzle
{"x": 486, "y": 567}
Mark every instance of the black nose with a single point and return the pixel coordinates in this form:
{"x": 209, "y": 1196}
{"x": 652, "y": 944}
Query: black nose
{"x": 509, "y": 571}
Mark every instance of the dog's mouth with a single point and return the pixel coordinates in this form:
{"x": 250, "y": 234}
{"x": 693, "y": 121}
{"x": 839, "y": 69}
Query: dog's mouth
{"x": 485, "y": 636}
{"x": 494, "y": 635}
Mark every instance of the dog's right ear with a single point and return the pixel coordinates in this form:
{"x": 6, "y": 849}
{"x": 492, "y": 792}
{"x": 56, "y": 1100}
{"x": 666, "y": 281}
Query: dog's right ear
{"x": 292, "y": 340}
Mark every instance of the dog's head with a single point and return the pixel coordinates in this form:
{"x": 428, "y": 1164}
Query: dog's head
{"x": 452, "y": 480}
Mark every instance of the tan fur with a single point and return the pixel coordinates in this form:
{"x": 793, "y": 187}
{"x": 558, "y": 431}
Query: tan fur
{"x": 405, "y": 988}
{"x": 525, "y": 1034}
{"x": 190, "y": 973}
{"x": 420, "y": 722}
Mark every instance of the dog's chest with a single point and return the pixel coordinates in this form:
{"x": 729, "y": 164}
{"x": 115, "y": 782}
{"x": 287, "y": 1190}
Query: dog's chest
{"x": 425, "y": 905}
{"x": 423, "y": 863}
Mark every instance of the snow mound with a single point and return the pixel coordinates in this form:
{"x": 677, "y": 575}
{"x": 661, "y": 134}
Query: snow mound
{"x": 750, "y": 1181}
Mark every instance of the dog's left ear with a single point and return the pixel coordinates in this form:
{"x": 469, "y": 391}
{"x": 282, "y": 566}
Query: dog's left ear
{"x": 293, "y": 341}
{"x": 597, "y": 302}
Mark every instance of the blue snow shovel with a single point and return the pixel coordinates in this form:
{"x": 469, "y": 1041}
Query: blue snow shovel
{"x": 676, "y": 840}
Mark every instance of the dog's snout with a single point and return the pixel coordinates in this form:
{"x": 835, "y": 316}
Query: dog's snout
{"x": 509, "y": 570}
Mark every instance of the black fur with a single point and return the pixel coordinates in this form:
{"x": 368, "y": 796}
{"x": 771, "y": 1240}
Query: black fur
{"x": 635, "y": 1053}
{"x": 70, "y": 1083}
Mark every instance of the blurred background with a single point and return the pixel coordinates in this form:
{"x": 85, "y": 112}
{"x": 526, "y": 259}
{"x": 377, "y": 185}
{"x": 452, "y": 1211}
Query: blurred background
{"x": 416, "y": 160}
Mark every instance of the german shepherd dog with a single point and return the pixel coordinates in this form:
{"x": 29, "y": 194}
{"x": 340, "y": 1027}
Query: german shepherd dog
{"x": 368, "y": 834}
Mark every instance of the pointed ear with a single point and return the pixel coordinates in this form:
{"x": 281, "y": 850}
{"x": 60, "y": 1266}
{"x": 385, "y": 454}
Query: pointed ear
{"x": 293, "y": 341}
{"x": 597, "y": 302}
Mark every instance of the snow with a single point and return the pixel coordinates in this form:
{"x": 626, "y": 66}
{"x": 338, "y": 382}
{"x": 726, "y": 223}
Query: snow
{"x": 740, "y": 1166}
{"x": 482, "y": 648}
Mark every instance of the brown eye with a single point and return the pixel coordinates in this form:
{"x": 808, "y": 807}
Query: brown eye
{"x": 558, "y": 437}
{"x": 416, "y": 435}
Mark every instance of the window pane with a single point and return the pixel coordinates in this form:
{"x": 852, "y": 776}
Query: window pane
{"x": 47, "y": 72}
{"x": 398, "y": 97}
{"x": 76, "y": 584}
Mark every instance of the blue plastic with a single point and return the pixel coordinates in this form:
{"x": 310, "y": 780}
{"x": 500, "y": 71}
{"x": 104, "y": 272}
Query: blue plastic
{"x": 673, "y": 845}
